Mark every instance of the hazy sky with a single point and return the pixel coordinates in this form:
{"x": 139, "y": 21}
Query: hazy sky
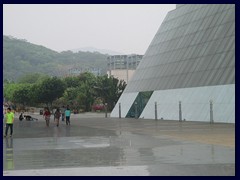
{"x": 127, "y": 28}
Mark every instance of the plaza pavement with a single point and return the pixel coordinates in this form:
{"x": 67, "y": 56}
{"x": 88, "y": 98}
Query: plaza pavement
{"x": 97, "y": 146}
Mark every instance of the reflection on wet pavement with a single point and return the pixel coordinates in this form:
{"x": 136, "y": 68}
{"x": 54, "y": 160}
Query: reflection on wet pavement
{"x": 35, "y": 147}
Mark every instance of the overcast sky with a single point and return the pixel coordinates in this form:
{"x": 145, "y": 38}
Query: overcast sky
{"x": 126, "y": 28}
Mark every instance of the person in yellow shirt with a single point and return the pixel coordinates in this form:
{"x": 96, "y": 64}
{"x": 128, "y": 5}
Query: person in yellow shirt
{"x": 9, "y": 122}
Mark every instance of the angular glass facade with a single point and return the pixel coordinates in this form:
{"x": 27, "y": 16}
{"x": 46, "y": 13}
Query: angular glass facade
{"x": 191, "y": 56}
{"x": 139, "y": 104}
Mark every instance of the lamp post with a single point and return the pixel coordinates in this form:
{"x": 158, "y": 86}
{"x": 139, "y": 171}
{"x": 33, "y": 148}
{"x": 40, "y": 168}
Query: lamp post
{"x": 105, "y": 110}
{"x": 136, "y": 113}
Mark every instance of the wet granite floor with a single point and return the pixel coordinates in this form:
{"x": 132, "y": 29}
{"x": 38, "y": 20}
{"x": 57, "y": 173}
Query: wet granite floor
{"x": 116, "y": 147}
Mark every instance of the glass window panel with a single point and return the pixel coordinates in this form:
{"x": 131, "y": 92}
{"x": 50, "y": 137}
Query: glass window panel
{"x": 228, "y": 17}
{"x": 210, "y": 77}
{"x": 213, "y": 46}
{"x": 196, "y": 51}
{"x": 201, "y": 35}
{"x": 208, "y": 22}
{"x": 173, "y": 82}
{"x": 163, "y": 82}
{"x": 169, "y": 81}
{"x": 194, "y": 65}
{"x": 198, "y": 25}
{"x": 205, "y": 76}
{"x": 177, "y": 54}
{"x": 182, "y": 53}
{"x": 230, "y": 42}
{"x": 182, "y": 65}
{"x": 200, "y": 61}
{"x": 191, "y": 28}
{"x": 165, "y": 69}
{"x": 217, "y": 76}
{"x": 195, "y": 79}
{"x": 231, "y": 30}
{"x": 228, "y": 26}
{"x": 166, "y": 60}
{"x": 212, "y": 33}
{"x": 220, "y": 19}
{"x": 190, "y": 66}
{"x": 194, "y": 15}
{"x": 181, "y": 81}
{"x": 187, "y": 50}
{"x": 159, "y": 72}
{"x": 220, "y": 60}
{"x": 221, "y": 7}
{"x": 206, "y": 36}
{"x": 211, "y": 23}
{"x": 185, "y": 67}
{"x": 229, "y": 57}
{"x": 222, "y": 46}
{"x": 214, "y": 8}
{"x": 217, "y": 61}
{"x": 167, "y": 34}
{"x": 171, "y": 45}
{"x": 224, "y": 78}
{"x": 208, "y": 49}
{"x": 203, "y": 13}
{"x": 209, "y": 9}
{"x": 231, "y": 77}
{"x": 171, "y": 57}
{"x": 180, "y": 43}
{"x": 175, "y": 67}
{"x": 203, "y": 48}
{"x": 206, "y": 61}
{"x": 232, "y": 14}
{"x": 215, "y": 19}
{"x": 220, "y": 32}
{"x": 187, "y": 41}
{"x": 203, "y": 24}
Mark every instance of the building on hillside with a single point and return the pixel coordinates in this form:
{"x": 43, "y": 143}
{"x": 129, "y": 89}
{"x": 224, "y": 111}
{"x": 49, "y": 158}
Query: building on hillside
{"x": 123, "y": 66}
{"x": 76, "y": 71}
{"x": 188, "y": 70}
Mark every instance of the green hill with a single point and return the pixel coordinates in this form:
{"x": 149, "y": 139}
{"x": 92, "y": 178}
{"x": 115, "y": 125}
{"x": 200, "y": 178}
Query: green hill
{"x": 21, "y": 57}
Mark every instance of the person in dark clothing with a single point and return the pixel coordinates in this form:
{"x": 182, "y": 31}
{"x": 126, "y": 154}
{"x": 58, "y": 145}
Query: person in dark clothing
{"x": 21, "y": 117}
{"x": 29, "y": 118}
{"x": 57, "y": 115}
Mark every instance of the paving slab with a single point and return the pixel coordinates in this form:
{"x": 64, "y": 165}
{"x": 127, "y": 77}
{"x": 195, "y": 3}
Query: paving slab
{"x": 97, "y": 146}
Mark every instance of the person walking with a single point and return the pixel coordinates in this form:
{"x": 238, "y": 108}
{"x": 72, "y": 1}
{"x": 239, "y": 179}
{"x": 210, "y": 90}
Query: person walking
{"x": 57, "y": 115}
{"x": 68, "y": 114}
{"x": 21, "y": 117}
{"x": 63, "y": 112}
{"x": 47, "y": 116}
{"x": 9, "y": 122}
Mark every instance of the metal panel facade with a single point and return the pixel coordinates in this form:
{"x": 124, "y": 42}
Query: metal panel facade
{"x": 190, "y": 59}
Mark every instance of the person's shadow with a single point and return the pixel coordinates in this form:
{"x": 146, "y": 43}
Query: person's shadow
{"x": 9, "y": 162}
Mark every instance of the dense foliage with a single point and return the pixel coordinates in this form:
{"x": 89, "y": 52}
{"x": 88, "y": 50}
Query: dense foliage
{"x": 21, "y": 57}
{"x": 79, "y": 92}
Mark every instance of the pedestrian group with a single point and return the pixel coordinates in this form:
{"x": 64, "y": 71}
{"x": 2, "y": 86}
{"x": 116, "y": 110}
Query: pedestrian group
{"x": 59, "y": 113}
